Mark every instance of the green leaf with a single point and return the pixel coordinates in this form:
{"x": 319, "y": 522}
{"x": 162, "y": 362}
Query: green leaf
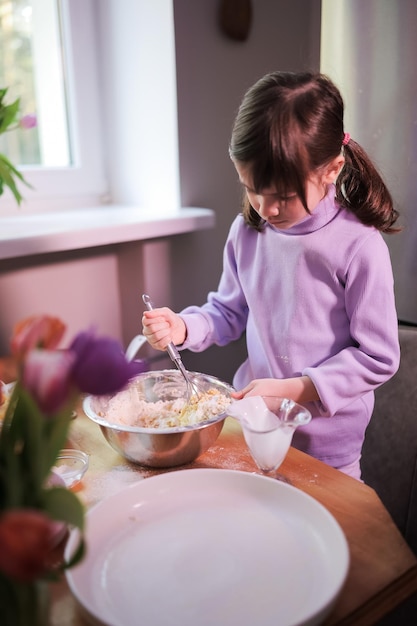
{"x": 77, "y": 556}
{"x": 7, "y": 172}
{"x": 8, "y": 115}
{"x": 10, "y": 481}
{"x": 63, "y": 505}
{"x": 56, "y": 433}
{"x": 8, "y": 168}
{"x": 27, "y": 432}
{"x": 29, "y": 446}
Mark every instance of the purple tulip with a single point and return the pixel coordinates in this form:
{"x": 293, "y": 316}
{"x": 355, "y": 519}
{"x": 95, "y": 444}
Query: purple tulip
{"x": 100, "y": 366}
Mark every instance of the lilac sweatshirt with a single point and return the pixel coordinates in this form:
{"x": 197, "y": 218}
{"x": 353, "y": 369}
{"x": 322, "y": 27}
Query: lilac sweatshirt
{"x": 316, "y": 300}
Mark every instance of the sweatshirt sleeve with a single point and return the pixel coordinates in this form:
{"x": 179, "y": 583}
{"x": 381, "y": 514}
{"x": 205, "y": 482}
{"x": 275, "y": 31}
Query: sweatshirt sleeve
{"x": 374, "y": 356}
{"x": 223, "y": 317}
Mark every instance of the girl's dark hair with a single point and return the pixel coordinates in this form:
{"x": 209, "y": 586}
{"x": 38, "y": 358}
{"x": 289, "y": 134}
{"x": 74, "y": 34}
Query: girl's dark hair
{"x": 290, "y": 125}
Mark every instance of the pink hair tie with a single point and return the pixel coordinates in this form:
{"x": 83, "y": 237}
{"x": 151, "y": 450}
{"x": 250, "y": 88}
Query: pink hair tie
{"x": 346, "y": 139}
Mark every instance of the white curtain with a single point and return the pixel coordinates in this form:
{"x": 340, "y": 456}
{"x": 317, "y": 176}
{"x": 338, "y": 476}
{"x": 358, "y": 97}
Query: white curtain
{"x": 369, "y": 48}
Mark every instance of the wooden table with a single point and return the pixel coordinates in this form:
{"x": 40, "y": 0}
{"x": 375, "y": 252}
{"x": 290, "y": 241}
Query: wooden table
{"x": 383, "y": 570}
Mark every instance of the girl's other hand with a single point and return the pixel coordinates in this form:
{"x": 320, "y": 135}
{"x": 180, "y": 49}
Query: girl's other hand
{"x": 261, "y": 387}
{"x": 163, "y": 326}
{"x": 300, "y": 389}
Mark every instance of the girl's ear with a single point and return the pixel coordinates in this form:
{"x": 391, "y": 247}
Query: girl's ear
{"x": 332, "y": 170}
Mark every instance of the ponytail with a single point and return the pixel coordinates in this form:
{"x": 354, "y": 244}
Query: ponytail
{"x": 360, "y": 188}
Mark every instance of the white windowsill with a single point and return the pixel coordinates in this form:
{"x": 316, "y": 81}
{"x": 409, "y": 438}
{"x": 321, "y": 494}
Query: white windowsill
{"x": 26, "y": 235}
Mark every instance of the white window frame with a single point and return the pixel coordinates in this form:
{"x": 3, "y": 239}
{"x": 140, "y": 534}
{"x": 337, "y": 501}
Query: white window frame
{"x": 123, "y": 112}
{"x": 83, "y": 183}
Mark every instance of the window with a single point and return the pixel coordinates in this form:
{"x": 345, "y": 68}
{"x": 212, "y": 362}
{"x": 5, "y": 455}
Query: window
{"x": 55, "y": 76}
{"x": 32, "y": 70}
{"x": 118, "y": 99}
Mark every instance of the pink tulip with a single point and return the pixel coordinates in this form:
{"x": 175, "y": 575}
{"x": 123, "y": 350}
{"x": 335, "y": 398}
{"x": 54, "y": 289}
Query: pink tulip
{"x": 26, "y": 537}
{"x": 28, "y": 121}
{"x": 47, "y": 377}
{"x": 38, "y": 331}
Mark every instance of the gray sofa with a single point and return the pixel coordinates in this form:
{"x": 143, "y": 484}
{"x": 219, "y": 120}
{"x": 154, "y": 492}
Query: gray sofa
{"x": 389, "y": 455}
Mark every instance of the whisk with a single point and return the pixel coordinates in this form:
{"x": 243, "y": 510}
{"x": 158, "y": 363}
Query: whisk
{"x": 193, "y": 392}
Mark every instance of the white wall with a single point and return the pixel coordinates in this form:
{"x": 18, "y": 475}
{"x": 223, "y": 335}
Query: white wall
{"x": 140, "y": 109}
{"x": 377, "y": 39}
{"x": 80, "y": 288}
{"x": 212, "y": 74}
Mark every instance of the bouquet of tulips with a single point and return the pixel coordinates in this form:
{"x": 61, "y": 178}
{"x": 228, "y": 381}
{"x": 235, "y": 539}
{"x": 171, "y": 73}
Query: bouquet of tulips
{"x": 34, "y": 430}
{"x": 10, "y": 120}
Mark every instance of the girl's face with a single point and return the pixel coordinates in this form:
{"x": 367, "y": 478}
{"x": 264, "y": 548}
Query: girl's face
{"x": 280, "y": 211}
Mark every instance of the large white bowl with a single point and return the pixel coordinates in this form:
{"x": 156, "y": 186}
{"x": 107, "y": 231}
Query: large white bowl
{"x": 210, "y": 547}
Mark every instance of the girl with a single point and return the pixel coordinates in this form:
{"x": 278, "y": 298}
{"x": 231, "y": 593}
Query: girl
{"x": 306, "y": 271}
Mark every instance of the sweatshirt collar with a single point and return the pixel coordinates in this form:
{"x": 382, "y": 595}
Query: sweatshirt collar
{"x": 325, "y": 212}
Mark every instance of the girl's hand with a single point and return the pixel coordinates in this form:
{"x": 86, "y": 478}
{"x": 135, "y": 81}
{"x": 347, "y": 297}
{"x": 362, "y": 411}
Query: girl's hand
{"x": 262, "y": 387}
{"x": 161, "y": 326}
{"x": 299, "y": 389}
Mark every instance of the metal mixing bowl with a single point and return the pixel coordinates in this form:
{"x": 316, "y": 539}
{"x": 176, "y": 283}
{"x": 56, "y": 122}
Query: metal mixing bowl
{"x": 159, "y": 447}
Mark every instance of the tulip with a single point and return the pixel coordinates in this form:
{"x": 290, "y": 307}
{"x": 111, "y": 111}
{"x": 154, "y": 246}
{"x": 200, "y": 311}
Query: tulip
{"x": 101, "y": 367}
{"x": 26, "y": 537}
{"x": 40, "y": 331}
{"x": 9, "y": 176}
{"x": 47, "y": 377}
{"x": 28, "y": 121}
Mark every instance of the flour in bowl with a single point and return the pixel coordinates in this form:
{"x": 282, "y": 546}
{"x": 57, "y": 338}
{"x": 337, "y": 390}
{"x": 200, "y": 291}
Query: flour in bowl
{"x": 129, "y": 409}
